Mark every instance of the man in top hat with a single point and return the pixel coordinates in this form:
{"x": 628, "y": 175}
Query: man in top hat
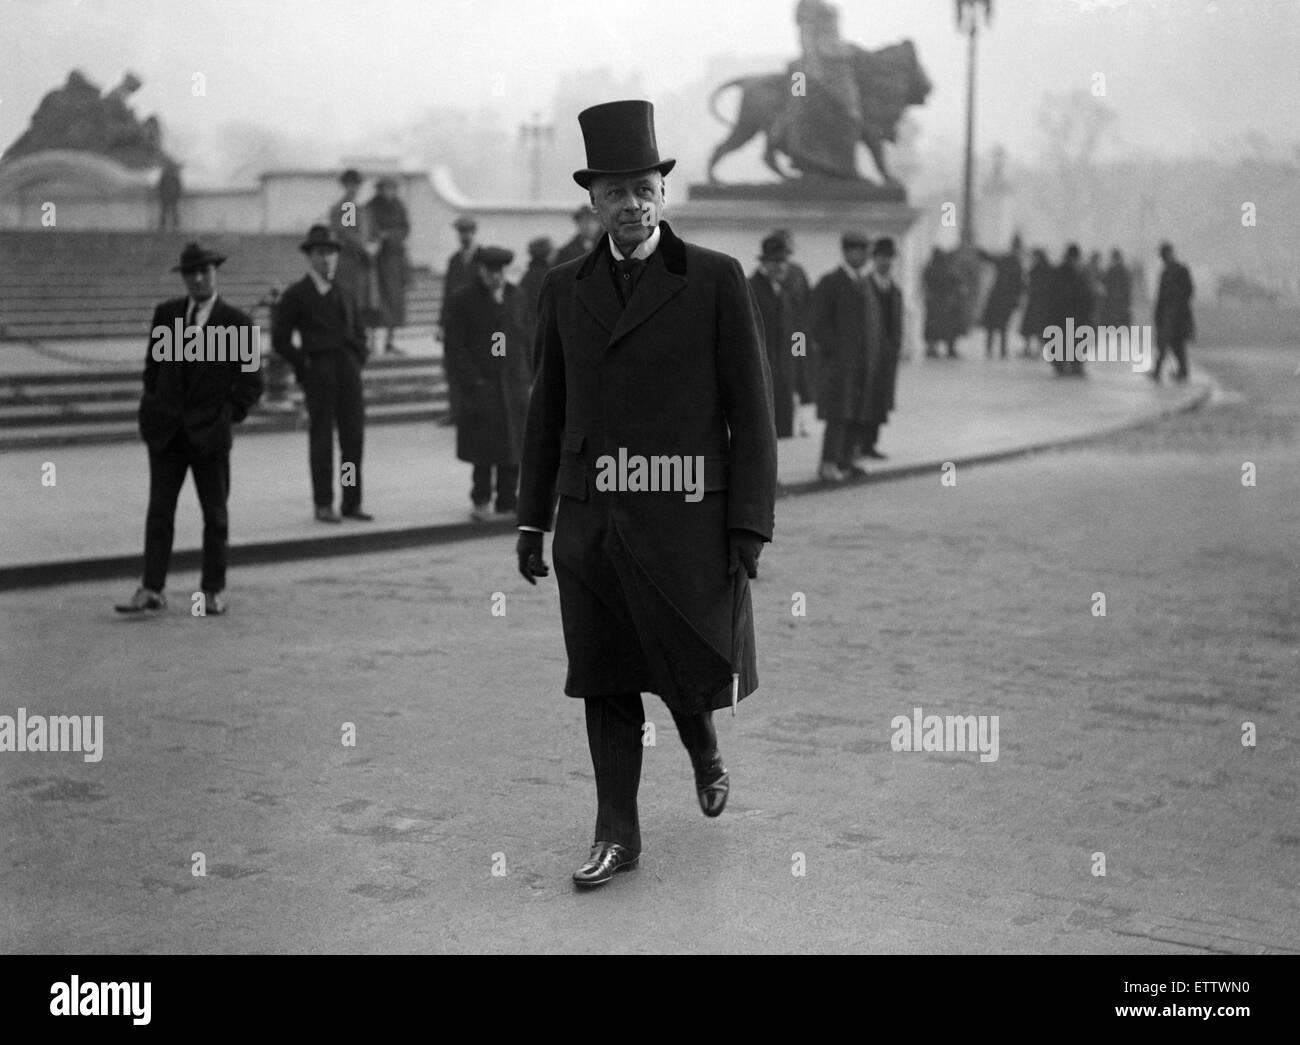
{"x": 349, "y": 220}
{"x": 845, "y": 323}
{"x": 651, "y": 351}
{"x": 540, "y": 251}
{"x": 461, "y": 273}
{"x": 588, "y": 229}
{"x": 781, "y": 318}
{"x": 492, "y": 356}
{"x": 327, "y": 362}
{"x": 882, "y": 378}
{"x": 186, "y": 414}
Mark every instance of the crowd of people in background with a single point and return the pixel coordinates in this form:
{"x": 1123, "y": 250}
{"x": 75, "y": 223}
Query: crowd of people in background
{"x": 1097, "y": 293}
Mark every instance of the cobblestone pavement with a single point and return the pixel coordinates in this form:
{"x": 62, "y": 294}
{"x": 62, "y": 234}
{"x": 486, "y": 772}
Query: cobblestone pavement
{"x": 1119, "y": 735}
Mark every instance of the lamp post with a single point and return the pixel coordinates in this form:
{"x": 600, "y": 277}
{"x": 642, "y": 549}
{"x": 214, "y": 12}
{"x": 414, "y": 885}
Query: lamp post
{"x": 968, "y": 21}
{"x": 533, "y": 134}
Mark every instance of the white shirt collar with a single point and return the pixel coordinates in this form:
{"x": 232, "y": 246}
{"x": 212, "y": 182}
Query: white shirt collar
{"x": 883, "y": 282}
{"x": 322, "y": 285}
{"x": 205, "y": 309}
{"x": 644, "y": 249}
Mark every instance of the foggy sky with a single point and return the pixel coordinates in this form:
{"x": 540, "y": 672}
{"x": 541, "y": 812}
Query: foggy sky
{"x": 1186, "y": 76}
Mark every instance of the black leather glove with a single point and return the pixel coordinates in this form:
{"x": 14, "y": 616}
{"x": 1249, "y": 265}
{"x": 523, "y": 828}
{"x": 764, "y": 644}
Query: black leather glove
{"x": 743, "y": 549}
{"x": 529, "y": 550}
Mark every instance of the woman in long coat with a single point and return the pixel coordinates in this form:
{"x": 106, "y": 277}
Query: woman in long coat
{"x": 390, "y": 226}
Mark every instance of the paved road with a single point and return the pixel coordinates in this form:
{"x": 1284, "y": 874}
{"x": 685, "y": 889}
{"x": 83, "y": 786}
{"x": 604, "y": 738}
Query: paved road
{"x": 1118, "y": 735}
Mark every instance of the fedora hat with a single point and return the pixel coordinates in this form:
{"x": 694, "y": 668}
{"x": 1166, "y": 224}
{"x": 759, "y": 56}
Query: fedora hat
{"x": 196, "y": 257}
{"x": 493, "y": 257}
{"x": 319, "y": 236}
{"x": 620, "y": 139}
{"x": 775, "y": 248}
{"x": 884, "y": 248}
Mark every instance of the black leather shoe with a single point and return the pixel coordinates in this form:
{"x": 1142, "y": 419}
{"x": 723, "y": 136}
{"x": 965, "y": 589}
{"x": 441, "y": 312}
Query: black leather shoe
{"x": 606, "y": 860}
{"x": 713, "y": 784}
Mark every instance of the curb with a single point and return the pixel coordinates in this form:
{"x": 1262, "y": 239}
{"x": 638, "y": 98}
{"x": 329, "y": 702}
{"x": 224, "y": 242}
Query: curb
{"x": 49, "y": 574}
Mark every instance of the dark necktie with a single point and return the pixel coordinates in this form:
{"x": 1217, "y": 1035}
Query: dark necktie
{"x": 626, "y": 275}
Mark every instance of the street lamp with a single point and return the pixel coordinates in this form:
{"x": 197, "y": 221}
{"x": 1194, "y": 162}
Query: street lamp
{"x": 968, "y": 21}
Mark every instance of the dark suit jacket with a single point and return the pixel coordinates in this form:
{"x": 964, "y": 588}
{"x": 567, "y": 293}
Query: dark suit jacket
{"x": 202, "y": 398}
{"x": 680, "y": 371}
{"x": 302, "y": 308}
{"x": 460, "y": 274}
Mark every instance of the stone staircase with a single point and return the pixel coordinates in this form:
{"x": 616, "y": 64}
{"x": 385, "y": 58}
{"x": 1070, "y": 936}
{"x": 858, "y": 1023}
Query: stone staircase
{"x": 88, "y": 286}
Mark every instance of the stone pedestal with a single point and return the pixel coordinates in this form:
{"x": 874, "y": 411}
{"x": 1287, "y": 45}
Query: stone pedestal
{"x": 734, "y": 219}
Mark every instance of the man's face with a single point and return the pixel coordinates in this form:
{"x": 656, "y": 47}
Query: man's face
{"x": 883, "y": 264}
{"x": 323, "y": 260}
{"x": 629, "y": 206}
{"x": 855, "y": 256}
{"x": 492, "y": 278}
{"x": 201, "y": 283}
{"x": 1167, "y": 254}
{"x": 776, "y": 270}
{"x": 466, "y": 238}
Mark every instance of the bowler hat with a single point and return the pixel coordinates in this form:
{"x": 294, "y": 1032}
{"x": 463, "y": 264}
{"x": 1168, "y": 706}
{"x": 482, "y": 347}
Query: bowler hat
{"x": 465, "y": 223}
{"x": 319, "y": 236}
{"x": 884, "y": 247}
{"x": 493, "y": 257}
{"x": 196, "y": 257}
{"x": 775, "y": 248}
{"x": 620, "y": 139}
{"x": 854, "y": 239}
{"x": 540, "y": 247}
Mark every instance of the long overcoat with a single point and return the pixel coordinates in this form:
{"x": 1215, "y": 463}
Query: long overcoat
{"x": 490, "y": 354}
{"x": 645, "y": 596}
{"x": 883, "y": 382}
{"x": 845, "y": 323}
{"x": 1174, "y": 321}
{"x": 780, "y": 323}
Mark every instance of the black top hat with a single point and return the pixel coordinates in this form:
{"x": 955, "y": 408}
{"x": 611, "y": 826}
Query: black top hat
{"x": 196, "y": 257}
{"x": 464, "y": 222}
{"x": 884, "y": 247}
{"x": 775, "y": 248}
{"x": 351, "y": 176}
{"x": 620, "y": 139}
{"x": 493, "y": 257}
{"x": 854, "y": 239}
{"x": 319, "y": 236}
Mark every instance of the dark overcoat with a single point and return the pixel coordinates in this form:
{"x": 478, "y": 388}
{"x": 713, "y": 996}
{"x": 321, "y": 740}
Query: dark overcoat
{"x": 1037, "y": 300}
{"x": 1174, "y": 321}
{"x": 391, "y": 226}
{"x": 491, "y": 357}
{"x": 777, "y": 311}
{"x": 1118, "y": 308}
{"x": 945, "y": 296}
{"x": 203, "y": 398}
{"x": 845, "y": 324}
{"x": 799, "y": 288}
{"x": 1004, "y": 295}
{"x": 883, "y": 381}
{"x": 645, "y": 596}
